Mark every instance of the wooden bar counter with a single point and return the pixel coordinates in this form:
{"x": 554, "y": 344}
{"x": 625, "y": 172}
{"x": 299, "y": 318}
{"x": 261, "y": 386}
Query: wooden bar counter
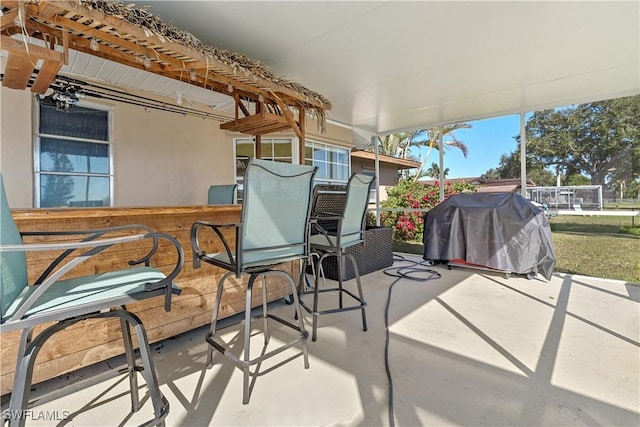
{"x": 92, "y": 341}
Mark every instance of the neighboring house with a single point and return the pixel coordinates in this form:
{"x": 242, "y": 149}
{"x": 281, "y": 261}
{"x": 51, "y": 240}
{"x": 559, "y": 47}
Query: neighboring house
{"x": 507, "y": 185}
{"x": 364, "y": 162}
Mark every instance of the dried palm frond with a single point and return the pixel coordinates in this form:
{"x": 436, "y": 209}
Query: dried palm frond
{"x": 144, "y": 19}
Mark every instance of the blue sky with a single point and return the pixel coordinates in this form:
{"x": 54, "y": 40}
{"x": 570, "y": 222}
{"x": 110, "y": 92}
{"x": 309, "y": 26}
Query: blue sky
{"x": 487, "y": 140}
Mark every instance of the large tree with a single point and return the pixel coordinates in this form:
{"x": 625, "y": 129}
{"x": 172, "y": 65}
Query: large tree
{"x": 597, "y": 143}
{"x": 509, "y": 167}
{"x": 599, "y": 140}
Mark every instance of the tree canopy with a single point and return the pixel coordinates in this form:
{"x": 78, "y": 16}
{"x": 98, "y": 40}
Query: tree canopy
{"x": 597, "y": 143}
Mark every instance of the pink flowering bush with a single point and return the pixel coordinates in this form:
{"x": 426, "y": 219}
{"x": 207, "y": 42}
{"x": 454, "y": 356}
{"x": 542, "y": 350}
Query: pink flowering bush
{"x": 408, "y": 194}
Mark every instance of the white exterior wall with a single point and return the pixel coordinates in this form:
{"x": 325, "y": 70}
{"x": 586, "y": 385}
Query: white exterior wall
{"x": 160, "y": 158}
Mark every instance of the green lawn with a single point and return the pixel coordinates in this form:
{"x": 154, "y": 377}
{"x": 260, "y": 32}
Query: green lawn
{"x": 609, "y": 256}
{"x": 607, "y": 247}
{"x": 597, "y": 246}
{"x": 596, "y": 224}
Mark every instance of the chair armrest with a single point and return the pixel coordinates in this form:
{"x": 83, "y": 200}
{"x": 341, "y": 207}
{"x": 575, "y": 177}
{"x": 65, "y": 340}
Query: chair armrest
{"x": 91, "y": 235}
{"x": 94, "y": 246}
{"x": 332, "y": 217}
{"x": 317, "y": 224}
{"x": 198, "y": 252}
{"x": 325, "y": 214}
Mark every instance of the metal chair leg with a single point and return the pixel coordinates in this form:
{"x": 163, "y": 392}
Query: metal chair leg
{"x": 247, "y": 341}
{"x": 244, "y": 362}
{"x": 131, "y": 364}
{"x": 265, "y": 324}
{"x": 298, "y": 309}
{"x": 214, "y": 318}
{"x": 360, "y": 293}
{"x": 341, "y": 269}
{"x": 341, "y": 258}
{"x": 316, "y": 291}
{"x": 159, "y": 402}
{"x": 29, "y": 350}
{"x": 22, "y": 379}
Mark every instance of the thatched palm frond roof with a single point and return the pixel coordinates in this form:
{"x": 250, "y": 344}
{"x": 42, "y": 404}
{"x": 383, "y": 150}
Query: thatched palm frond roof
{"x": 145, "y": 19}
{"x": 135, "y": 37}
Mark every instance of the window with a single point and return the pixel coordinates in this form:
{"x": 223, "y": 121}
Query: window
{"x": 73, "y": 157}
{"x": 333, "y": 162}
{"x": 275, "y": 149}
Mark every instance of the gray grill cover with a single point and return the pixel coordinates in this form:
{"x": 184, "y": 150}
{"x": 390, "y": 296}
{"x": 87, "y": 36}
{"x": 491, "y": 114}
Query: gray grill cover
{"x": 503, "y": 231}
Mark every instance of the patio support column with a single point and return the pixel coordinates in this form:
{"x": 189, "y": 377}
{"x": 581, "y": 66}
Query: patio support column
{"x": 441, "y": 162}
{"x": 375, "y": 142}
{"x": 523, "y": 157}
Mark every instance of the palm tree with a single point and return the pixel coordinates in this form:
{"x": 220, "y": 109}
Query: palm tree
{"x": 400, "y": 144}
{"x": 429, "y": 138}
{"x": 396, "y": 144}
{"x": 434, "y": 171}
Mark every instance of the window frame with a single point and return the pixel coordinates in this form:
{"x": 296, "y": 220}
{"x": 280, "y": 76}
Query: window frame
{"x": 37, "y": 136}
{"x": 312, "y": 143}
{"x": 239, "y": 179}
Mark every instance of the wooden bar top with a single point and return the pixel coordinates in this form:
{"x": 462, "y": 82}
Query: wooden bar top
{"x": 91, "y": 341}
{"x": 44, "y": 213}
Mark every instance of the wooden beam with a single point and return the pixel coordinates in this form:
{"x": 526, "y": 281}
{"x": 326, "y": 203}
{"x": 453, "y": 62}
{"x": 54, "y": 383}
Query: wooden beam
{"x": 35, "y": 51}
{"x": 302, "y": 139}
{"x": 257, "y": 124}
{"x": 18, "y": 71}
{"x": 65, "y": 46}
{"x": 244, "y": 109}
{"x": 258, "y": 139}
{"x": 289, "y": 117}
{"x": 111, "y": 39}
{"x": 46, "y": 76}
{"x": 7, "y": 20}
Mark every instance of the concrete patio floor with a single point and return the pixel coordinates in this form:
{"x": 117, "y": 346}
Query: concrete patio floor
{"x": 469, "y": 348}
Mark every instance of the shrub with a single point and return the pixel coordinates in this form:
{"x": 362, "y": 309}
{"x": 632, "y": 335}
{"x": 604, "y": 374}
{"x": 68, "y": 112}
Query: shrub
{"x": 408, "y": 194}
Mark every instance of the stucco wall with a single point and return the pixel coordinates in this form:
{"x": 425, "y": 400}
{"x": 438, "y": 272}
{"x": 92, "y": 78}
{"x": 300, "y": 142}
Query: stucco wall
{"x": 388, "y": 173}
{"x": 16, "y": 154}
{"x": 164, "y": 158}
{"x": 160, "y": 158}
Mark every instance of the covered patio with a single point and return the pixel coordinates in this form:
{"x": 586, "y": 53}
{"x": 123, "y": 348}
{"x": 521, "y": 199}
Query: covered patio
{"x": 466, "y": 348}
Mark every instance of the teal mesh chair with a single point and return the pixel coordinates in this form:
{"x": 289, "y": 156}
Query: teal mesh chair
{"x": 273, "y": 230}
{"x": 221, "y": 194}
{"x": 331, "y": 236}
{"x": 69, "y": 301}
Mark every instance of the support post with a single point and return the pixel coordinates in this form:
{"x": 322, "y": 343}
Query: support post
{"x": 523, "y": 158}
{"x": 441, "y": 162}
{"x": 374, "y": 141}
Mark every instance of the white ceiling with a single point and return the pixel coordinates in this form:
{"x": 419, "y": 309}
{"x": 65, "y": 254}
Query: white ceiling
{"x": 389, "y": 66}
{"x": 402, "y": 65}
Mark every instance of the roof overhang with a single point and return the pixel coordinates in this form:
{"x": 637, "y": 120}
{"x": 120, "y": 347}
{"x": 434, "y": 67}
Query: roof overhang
{"x": 395, "y": 161}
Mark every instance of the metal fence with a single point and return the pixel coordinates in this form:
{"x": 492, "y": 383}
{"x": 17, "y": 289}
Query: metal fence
{"x": 588, "y": 197}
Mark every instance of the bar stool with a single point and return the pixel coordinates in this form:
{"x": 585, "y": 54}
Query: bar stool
{"x": 336, "y": 233}
{"x": 273, "y": 230}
